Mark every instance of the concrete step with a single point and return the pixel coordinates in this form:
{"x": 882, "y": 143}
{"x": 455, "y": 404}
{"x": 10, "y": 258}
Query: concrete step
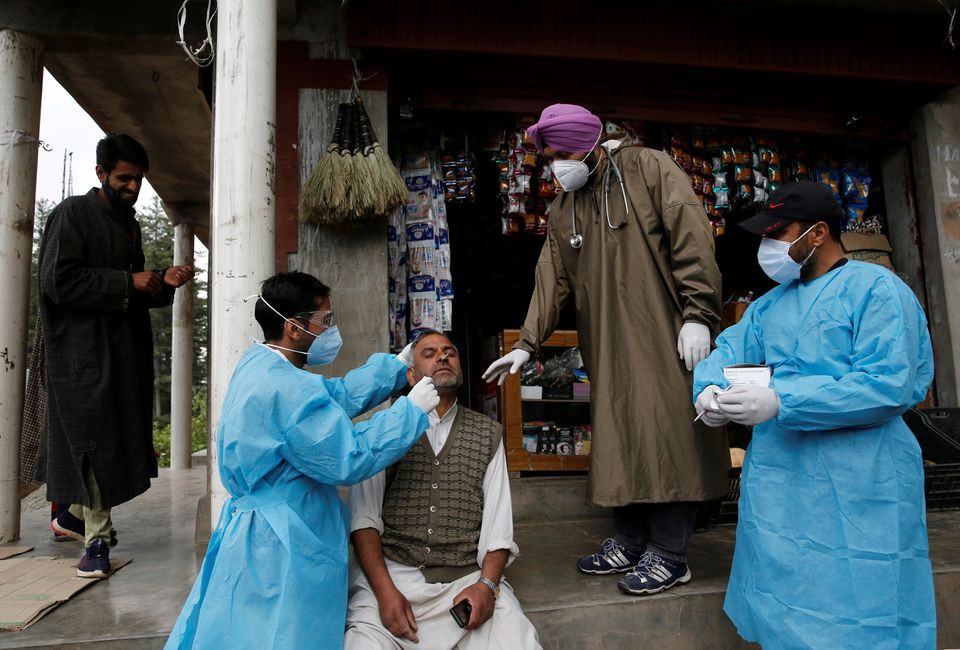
{"x": 573, "y": 611}
{"x": 137, "y": 607}
{"x": 563, "y": 498}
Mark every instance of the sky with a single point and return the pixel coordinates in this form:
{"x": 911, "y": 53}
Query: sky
{"x": 66, "y": 127}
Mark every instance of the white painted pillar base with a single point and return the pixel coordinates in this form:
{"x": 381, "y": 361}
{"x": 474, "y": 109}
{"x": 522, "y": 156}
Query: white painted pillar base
{"x": 21, "y": 81}
{"x": 243, "y": 201}
{"x": 181, "y": 380}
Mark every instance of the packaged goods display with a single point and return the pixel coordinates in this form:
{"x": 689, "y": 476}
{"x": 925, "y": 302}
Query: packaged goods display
{"x": 420, "y": 284}
{"x": 735, "y": 173}
{"x": 560, "y": 439}
{"x": 459, "y": 178}
{"x": 525, "y": 183}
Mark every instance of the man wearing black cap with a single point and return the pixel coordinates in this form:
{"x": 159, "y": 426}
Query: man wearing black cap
{"x": 831, "y": 540}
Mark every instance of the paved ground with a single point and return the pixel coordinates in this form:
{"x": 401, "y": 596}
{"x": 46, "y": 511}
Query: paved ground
{"x": 136, "y": 608}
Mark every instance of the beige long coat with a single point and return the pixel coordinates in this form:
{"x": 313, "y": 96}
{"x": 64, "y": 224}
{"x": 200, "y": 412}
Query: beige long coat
{"x": 633, "y": 288}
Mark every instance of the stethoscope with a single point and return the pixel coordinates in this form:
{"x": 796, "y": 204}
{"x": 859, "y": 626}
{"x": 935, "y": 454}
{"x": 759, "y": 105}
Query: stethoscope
{"x": 576, "y": 239}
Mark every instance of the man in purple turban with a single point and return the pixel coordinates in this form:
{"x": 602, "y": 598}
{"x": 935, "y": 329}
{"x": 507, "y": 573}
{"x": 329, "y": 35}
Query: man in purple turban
{"x": 628, "y": 241}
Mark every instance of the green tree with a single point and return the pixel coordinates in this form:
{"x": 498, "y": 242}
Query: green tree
{"x": 41, "y": 213}
{"x": 157, "y": 232}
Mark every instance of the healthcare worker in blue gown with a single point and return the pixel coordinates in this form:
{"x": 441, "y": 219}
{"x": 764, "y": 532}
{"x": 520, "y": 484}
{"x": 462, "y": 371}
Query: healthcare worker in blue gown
{"x": 831, "y": 541}
{"x": 275, "y": 572}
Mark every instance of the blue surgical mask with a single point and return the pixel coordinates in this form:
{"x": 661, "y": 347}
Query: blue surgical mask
{"x": 325, "y": 347}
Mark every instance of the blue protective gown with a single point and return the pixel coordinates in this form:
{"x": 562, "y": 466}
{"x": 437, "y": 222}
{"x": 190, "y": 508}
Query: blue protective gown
{"x": 832, "y": 540}
{"x": 275, "y": 572}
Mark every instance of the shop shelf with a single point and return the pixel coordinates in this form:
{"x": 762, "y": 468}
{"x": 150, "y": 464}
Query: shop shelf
{"x": 941, "y": 491}
{"x": 942, "y": 486}
{"x": 561, "y": 401}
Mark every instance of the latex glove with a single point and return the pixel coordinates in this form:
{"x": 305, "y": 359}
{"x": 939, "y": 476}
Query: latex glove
{"x": 693, "y": 344}
{"x": 424, "y": 395}
{"x": 708, "y": 410}
{"x": 749, "y": 404}
{"x": 406, "y": 355}
{"x": 510, "y": 363}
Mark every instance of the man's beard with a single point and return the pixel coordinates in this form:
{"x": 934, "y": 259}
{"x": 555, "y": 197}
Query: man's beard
{"x": 115, "y": 198}
{"x": 449, "y": 380}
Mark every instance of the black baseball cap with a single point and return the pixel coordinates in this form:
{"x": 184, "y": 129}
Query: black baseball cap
{"x": 799, "y": 201}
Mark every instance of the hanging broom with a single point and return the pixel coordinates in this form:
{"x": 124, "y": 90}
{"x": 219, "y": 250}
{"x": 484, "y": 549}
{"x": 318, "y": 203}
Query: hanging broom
{"x": 364, "y": 190}
{"x": 326, "y": 184}
{"x": 389, "y": 191}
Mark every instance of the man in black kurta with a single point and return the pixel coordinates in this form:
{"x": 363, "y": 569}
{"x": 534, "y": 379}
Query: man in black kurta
{"x": 94, "y": 302}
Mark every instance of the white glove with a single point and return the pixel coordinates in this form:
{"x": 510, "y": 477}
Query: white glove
{"x": 749, "y": 404}
{"x": 707, "y": 408}
{"x": 424, "y": 395}
{"x": 406, "y": 355}
{"x": 693, "y": 344}
{"x": 510, "y": 363}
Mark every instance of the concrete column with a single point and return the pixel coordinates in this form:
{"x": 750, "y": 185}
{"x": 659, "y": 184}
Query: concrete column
{"x": 242, "y": 197}
{"x": 21, "y": 80}
{"x": 181, "y": 381}
{"x": 936, "y": 154}
{"x": 899, "y": 197}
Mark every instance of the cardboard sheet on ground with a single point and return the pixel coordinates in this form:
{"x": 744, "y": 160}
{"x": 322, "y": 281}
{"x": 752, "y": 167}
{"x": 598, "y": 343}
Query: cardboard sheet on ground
{"x": 32, "y": 586}
{"x": 10, "y": 551}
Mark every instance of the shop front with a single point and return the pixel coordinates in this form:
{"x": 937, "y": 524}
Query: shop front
{"x": 739, "y": 115}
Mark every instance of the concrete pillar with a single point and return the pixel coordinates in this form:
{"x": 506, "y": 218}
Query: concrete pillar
{"x": 242, "y": 197}
{"x": 936, "y": 154}
{"x": 181, "y": 380}
{"x": 901, "y": 209}
{"x": 21, "y": 80}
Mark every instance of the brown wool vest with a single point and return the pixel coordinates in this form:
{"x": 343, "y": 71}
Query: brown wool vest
{"x": 433, "y": 505}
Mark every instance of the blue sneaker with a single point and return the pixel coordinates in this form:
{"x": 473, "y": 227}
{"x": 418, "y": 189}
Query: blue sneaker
{"x": 95, "y": 562}
{"x": 654, "y": 574}
{"x": 613, "y": 557}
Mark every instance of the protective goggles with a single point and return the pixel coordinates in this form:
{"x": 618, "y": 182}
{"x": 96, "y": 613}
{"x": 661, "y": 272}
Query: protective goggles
{"x": 321, "y": 318}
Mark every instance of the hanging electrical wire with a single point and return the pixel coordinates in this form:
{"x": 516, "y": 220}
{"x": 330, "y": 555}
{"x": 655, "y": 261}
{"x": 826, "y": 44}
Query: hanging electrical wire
{"x": 203, "y": 54}
{"x": 952, "y": 12}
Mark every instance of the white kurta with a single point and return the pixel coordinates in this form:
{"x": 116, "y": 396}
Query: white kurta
{"x": 431, "y": 602}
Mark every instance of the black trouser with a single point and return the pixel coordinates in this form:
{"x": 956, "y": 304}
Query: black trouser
{"x": 665, "y": 528}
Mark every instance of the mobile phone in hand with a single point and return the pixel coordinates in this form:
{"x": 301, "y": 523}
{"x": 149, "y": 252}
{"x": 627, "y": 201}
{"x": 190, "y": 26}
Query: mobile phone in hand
{"x": 461, "y": 613}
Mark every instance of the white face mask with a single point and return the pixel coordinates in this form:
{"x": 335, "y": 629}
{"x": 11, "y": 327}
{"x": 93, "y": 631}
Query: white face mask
{"x": 774, "y": 258}
{"x": 573, "y": 174}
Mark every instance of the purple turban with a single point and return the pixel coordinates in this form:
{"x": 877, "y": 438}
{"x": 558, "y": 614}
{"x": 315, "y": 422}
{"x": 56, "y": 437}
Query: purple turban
{"x": 566, "y": 127}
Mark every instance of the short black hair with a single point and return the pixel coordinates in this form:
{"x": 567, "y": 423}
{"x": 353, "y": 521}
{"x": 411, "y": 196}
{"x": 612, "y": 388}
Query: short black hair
{"x": 832, "y": 225}
{"x": 290, "y": 294}
{"x": 120, "y": 146}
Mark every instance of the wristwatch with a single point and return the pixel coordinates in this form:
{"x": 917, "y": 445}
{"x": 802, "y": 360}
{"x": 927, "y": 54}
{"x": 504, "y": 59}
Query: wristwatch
{"x": 494, "y": 587}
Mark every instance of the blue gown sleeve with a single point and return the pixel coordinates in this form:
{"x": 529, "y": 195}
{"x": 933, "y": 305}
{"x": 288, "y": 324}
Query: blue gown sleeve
{"x": 740, "y": 343}
{"x": 321, "y": 442}
{"x": 363, "y": 388}
{"x": 891, "y": 368}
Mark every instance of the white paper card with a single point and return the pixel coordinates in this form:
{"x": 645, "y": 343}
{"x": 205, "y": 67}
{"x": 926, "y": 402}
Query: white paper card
{"x": 748, "y": 374}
